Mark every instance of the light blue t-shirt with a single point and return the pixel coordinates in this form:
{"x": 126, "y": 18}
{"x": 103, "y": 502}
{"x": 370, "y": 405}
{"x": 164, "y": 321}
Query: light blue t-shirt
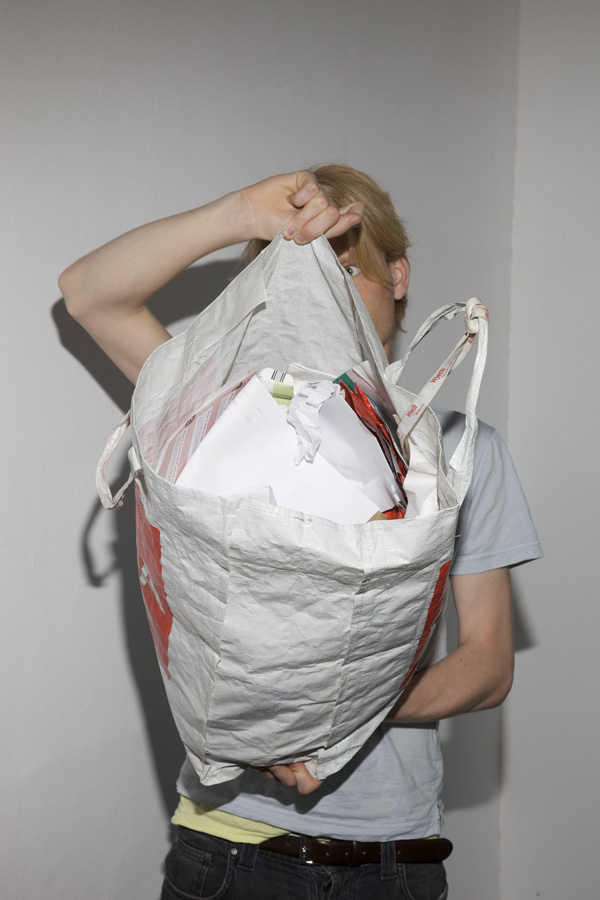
{"x": 392, "y": 788}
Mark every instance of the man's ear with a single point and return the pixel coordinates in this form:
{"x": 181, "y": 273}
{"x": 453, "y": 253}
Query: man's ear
{"x": 400, "y": 269}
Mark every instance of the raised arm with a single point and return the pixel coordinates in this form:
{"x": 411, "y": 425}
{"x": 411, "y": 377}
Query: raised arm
{"x": 106, "y": 291}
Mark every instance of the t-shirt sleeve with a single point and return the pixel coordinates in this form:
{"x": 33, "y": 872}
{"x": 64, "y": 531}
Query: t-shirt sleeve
{"x": 495, "y": 528}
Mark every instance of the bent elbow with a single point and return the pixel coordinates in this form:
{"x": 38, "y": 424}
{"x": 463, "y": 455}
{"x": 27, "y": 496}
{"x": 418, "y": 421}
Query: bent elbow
{"x": 501, "y": 690}
{"x": 67, "y": 284}
{"x": 504, "y": 692}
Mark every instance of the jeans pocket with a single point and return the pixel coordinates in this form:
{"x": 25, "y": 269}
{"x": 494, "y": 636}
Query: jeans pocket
{"x": 424, "y": 881}
{"x": 197, "y": 868}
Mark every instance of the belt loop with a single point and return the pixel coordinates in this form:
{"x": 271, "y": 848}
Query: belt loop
{"x": 388, "y": 860}
{"x": 247, "y": 855}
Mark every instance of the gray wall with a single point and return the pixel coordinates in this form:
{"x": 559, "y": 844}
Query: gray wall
{"x": 121, "y": 112}
{"x": 550, "y": 788}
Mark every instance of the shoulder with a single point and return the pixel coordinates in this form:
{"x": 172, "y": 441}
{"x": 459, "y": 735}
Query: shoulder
{"x": 495, "y": 527}
{"x": 453, "y": 424}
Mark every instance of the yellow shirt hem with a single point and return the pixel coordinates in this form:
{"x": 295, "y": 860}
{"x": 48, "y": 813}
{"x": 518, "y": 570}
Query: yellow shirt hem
{"x": 221, "y": 824}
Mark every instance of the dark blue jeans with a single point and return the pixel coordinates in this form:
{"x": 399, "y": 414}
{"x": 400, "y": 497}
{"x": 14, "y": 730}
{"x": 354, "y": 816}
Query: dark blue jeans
{"x": 201, "y": 867}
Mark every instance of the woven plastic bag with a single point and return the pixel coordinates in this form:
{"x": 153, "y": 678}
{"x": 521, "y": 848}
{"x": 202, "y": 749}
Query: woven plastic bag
{"x": 283, "y": 636}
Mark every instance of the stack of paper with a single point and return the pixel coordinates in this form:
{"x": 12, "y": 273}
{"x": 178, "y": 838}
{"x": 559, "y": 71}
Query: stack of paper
{"x": 315, "y": 456}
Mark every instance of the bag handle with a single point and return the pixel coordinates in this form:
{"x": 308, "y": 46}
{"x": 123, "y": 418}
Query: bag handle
{"x": 476, "y": 323}
{"x": 102, "y": 486}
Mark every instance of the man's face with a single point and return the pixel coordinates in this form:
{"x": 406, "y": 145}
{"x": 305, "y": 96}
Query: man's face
{"x": 380, "y": 300}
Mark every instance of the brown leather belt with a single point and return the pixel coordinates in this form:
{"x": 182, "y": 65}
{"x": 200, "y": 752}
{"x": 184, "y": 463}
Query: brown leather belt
{"x": 354, "y": 853}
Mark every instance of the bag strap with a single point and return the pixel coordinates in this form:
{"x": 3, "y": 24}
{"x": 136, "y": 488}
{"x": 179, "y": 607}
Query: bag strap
{"x": 476, "y": 323}
{"x": 104, "y": 492}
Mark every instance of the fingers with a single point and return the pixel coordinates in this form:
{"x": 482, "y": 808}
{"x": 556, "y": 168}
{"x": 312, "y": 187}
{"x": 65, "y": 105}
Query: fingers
{"x": 284, "y": 774}
{"x": 294, "y": 775}
{"x": 316, "y": 217}
{"x": 308, "y": 187}
{"x": 350, "y": 217}
{"x": 307, "y": 212}
{"x": 317, "y": 213}
{"x": 305, "y": 782}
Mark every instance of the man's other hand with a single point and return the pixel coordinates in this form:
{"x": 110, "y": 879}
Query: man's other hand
{"x": 293, "y": 775}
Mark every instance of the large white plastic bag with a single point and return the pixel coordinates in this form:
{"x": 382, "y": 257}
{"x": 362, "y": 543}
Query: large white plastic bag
{"x": 283, "y": 636}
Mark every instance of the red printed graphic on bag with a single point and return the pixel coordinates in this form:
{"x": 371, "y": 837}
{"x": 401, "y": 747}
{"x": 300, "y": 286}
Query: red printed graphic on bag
{"x": 433, "y": 614}
{"x": 160, "y": 616}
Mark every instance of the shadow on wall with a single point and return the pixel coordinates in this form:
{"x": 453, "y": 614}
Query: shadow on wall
{"x": 176, "y": 301}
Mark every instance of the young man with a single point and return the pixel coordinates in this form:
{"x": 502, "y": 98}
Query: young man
{"x": 255, "y": 837}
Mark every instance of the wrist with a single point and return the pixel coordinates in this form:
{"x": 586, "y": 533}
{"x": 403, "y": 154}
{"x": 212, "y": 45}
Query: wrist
{"x": 241, "y": 216}
{"x": 218, "y": 224}
{"x": 250, "y": 213}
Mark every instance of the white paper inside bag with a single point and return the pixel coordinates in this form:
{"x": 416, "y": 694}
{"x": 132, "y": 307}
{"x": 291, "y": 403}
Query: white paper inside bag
{"x": 304, "y": 416}
{"x": 252, "y": 444}
{"x": 354, "y": 452}
{"x": 420, "y": 485}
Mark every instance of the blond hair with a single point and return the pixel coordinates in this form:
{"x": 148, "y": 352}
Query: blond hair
{"x": 381, "y": 230}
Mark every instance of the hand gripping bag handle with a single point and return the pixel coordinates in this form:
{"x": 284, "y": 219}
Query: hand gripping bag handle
{"x": 110, "y": 501}
{"x": 233, "y": 316}
{"x": 102, "y": 486}
{"x": 476, "y": 322}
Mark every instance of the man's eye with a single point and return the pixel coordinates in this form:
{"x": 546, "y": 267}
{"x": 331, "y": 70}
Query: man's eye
{"x": 352, "y": 270}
